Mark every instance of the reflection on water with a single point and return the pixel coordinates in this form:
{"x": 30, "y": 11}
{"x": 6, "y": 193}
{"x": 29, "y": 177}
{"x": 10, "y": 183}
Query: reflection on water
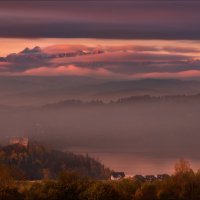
{"x": 137, "y": 163}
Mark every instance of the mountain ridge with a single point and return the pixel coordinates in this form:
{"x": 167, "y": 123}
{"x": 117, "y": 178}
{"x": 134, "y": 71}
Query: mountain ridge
{"x": 37, "y": 53}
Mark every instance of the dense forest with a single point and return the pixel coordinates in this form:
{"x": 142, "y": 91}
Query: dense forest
{"x": 36, "y": 162}
{"x": 184, "y": 184}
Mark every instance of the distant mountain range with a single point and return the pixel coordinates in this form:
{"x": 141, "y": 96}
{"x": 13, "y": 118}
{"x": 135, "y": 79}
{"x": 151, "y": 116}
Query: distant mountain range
{"x": 36, "y": 53}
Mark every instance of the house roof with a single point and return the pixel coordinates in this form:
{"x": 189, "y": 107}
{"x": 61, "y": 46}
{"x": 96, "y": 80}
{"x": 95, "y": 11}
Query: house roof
{"x": 117, "y": 174}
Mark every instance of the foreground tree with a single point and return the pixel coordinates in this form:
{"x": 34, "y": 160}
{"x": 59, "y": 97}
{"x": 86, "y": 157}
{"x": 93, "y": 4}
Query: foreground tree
{"x": 102, "y": 191}
{"x": 146, "y": 192}
{"x": 182, "y": 166}
{"x": 8, "y": 186}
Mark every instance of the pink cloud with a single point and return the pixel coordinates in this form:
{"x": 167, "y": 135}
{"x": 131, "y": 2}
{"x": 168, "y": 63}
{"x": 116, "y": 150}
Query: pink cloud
{"x": 101, "y": 72}
{"x": 60, "y": 48}
{"x": 4, "y": 66}
{"x": 68, "y": 70}
{"x": 182, "y": 74}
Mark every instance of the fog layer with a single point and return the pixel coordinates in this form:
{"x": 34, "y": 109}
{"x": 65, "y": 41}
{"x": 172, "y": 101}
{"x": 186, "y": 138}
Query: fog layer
{"x": 156, "y": 132}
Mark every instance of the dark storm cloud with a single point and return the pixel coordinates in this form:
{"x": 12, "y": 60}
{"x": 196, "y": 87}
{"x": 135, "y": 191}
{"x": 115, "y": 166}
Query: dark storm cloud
{"x": 101, "y": 19}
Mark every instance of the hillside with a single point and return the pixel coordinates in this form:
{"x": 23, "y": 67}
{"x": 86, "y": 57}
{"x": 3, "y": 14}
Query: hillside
{"x": 38, "y": 162}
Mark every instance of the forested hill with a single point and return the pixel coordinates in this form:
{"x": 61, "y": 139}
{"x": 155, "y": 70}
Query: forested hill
{"x": 37, "y": 162}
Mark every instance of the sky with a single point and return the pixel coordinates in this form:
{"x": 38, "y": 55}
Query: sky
{"x": 140, "y": 39}
{"x": 100, "y": 19}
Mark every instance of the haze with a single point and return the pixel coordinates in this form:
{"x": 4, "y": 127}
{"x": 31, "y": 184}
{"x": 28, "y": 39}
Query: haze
{"x": 117, "y": 80}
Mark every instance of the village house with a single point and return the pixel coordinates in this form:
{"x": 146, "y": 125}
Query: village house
{"x": 150, "y": 178}
{"x": 139, "y": 178}
{"x": 162, "y": 176}
{"x": 117, "y": 175}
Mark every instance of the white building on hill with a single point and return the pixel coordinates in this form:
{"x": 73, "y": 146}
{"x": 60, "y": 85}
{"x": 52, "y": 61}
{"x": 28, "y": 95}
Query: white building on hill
{"x": 23, "y": 141}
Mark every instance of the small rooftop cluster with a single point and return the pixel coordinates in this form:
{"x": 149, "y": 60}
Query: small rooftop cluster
{"x": 149, "y": 178}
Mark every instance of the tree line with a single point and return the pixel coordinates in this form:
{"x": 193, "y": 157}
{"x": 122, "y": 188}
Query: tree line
{"x": 184, "y": 184}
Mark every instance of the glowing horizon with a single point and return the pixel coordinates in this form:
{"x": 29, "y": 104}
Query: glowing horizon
{"x": 15, "y": 45}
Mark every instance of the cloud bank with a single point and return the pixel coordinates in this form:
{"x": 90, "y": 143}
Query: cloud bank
{"x": 105, "y": 61}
